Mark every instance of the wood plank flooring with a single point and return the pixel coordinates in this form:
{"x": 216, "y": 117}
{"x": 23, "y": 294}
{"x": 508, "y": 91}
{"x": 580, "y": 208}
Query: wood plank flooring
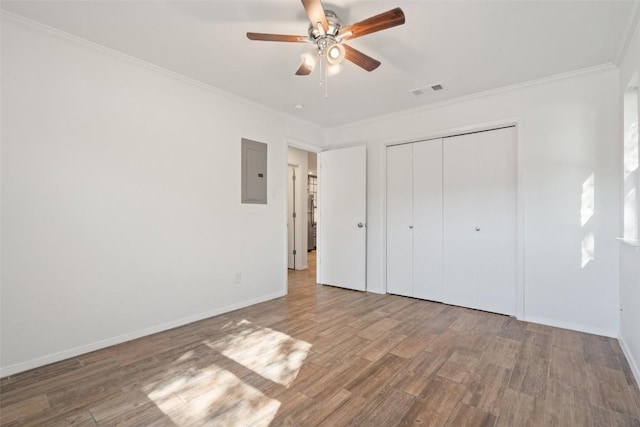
{"x": 328, "y": 356}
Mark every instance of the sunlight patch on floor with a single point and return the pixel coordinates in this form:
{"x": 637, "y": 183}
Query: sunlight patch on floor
{"x": 227, "y": 399}
{"x": 274, "y": 355}
{"x": 196, "y": 396}
{"x": 204, "y": 385}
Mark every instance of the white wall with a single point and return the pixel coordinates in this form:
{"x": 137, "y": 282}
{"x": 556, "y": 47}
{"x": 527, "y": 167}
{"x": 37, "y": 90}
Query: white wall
{"x": 121, "y": 211}
{"x": 630, "y": 256}
{"x": 568, "y": 129}
{"x": 300, "y": 158}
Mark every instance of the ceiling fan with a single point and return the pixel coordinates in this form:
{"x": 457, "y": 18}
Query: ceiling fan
{"x": 328, "y": 34}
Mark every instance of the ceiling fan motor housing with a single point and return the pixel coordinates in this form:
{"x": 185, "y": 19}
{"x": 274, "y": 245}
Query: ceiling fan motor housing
{"x": 325, "y": 39}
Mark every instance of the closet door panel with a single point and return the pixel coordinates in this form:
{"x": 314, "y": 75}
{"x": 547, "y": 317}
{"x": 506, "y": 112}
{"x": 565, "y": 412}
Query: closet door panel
{"x": 496, "y": 217}
{"x": 399, "y": 219}
{"x": 427, "y": 220}
{"x": 460, "y": 236}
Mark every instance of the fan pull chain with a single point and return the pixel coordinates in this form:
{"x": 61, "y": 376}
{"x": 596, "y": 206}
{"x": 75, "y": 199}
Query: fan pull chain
{"x": 326, "y": 80}
{"x": 321, "y": 68}
{"x": 324, "y": 72}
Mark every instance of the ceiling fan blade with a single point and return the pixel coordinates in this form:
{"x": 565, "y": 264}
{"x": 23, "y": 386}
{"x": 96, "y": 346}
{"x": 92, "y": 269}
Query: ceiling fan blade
{"x": 277, "y": 37}
{"x": 376, "y": 23}
{"x": 316, "y": 14}
{"x": 360, "y": 59}
{"x": 304, "y": 69}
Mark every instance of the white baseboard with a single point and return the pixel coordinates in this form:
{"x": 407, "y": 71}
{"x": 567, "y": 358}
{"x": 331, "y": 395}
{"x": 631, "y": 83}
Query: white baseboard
{"x": 572, "y": 326}
{"x": 83, "y": 349}
{"x": 630, "y": 359}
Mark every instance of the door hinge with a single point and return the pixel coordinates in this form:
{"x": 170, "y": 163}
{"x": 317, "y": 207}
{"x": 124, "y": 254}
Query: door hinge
{"x": 295, "y": 252}
{"x": 294, "y": 214}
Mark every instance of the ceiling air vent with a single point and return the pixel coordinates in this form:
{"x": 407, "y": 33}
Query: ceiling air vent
{"x": 425, "y": 89}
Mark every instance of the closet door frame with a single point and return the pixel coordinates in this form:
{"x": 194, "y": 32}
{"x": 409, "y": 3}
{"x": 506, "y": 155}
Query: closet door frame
{"x": 518, "y": 123}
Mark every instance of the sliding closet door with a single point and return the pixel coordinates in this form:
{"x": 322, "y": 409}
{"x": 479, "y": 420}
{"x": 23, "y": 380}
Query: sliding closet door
{"x": 427, "y": 220}
{"x": 496, "y": 215}
{"x": 460, "y": 245}
{"x": 399, "y": 220}
{"x": 480, "y": 220}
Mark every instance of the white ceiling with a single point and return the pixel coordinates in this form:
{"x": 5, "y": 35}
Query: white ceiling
{"x": 467, "y": 46}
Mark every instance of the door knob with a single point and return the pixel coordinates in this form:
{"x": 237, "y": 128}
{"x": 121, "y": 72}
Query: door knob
{"x": 477, "y": 228}
{"x": 411, "y": 226}
{"x": 360, "y": 225}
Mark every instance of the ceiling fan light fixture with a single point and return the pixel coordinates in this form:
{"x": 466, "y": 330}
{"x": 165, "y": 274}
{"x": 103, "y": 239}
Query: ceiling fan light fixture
{"x": 308, "y": 64}
{"x": 332, "y": 70}
{"x": 336, "y": 54}
{"x": 309, "y": 59}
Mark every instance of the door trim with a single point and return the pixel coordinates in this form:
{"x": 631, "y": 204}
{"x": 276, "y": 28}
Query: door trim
{"x": 285, "y": 176}
{"x": 294, "y": 214}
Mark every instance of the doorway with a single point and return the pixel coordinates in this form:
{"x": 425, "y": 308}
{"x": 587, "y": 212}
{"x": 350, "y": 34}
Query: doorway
{"x": 302, "y": 204}
{"x": 334, "y": 225}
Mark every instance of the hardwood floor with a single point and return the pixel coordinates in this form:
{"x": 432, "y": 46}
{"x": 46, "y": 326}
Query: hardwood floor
{"x": 328, "y": 356}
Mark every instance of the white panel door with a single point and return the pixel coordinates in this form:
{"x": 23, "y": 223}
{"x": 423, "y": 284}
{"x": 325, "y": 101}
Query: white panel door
{"x": 399, "y": 220}
{"x": 427, "y": 220}
{"x": 496, "y": 217}
{"x": 480, "y": 220}
{"x": 460, "y": 243}
{"x": 342, "y": 185}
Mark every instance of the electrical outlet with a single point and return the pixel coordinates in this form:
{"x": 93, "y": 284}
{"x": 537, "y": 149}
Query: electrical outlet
{"x": 238, "y": 278}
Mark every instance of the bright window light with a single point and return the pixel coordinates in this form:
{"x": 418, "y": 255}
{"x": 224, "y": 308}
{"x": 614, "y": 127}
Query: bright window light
{"x": 588, "y": 249}
{"x": 631, "y": 158}
{"x": 588, "y": 200}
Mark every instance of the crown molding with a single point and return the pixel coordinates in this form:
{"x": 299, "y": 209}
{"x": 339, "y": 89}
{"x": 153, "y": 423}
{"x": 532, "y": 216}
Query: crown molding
{"x": 146, "y": 65}
{"x": 630, "y": 28}
{"x": 233, "y": 97}
{"x": 531, "y": 83}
